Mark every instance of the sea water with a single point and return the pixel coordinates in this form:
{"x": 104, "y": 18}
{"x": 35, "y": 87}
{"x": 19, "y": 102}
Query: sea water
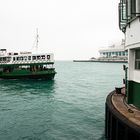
{"x": 70, "y": 107}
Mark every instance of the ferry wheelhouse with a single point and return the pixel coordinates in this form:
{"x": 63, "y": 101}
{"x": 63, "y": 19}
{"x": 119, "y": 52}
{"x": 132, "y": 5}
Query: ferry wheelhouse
{"x": 25, "y": 65}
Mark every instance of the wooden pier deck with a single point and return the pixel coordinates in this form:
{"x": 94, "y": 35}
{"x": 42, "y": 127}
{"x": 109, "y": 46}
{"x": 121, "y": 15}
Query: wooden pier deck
{"x": 129, "y": 111}
{"x": 122, "y": 121}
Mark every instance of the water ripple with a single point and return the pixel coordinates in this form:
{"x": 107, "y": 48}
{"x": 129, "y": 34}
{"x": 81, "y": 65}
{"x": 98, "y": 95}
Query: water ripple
{"x": 71, "y": 107}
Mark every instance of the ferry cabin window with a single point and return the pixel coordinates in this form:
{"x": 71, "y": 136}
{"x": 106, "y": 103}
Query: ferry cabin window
{"x": 4, "y": 58}
{"x": 15, "y": 53}
{"x": 21, "y": 58}
{"x": 29, "y": 57}
{"x": 43, "y": 56}
{"x": 34, "y": 57}
{"x": 8, "y": 59}
{"x": 38, "y": 57}
{"x": 137, "y": 59}
{"x": 25, "y": 58}
{"x": 18, "y": 58}
{"x": 48, "y": 56}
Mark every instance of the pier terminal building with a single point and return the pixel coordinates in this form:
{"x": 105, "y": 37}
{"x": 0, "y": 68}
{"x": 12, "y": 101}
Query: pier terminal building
{"x": 114, "y": 50}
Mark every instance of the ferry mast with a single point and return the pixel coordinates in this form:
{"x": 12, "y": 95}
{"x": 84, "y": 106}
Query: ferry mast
{"x": 37, "y": 39}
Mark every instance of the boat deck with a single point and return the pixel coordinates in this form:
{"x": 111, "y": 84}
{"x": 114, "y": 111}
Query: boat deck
{"x": 130, "y": 112}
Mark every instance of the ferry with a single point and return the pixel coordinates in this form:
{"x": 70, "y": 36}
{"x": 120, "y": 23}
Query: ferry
{"x": 26, "y": 65}
{"x": 122, "y": 117}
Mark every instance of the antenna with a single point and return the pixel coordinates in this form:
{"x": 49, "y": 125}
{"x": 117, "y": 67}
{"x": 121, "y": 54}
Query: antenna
{"x": 37, "y": 39}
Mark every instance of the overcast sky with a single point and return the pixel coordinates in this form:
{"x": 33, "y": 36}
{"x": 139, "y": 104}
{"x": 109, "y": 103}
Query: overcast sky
{"x": 71, "y": 29}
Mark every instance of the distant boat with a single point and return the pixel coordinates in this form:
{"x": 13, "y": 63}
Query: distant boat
{"x": 25, "y": 65}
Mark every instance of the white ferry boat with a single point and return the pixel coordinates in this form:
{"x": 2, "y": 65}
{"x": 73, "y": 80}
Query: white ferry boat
{"x": 26, "y": 65}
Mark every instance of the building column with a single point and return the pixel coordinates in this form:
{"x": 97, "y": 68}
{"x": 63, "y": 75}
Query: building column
{"x": 129, "y": 9}
{"x": 138, "y": 7}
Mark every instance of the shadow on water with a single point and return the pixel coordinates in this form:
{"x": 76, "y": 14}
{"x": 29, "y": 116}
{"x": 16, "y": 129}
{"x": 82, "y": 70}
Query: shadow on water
{"x": 102, "y": 137}
{"x": 25, "y": 106}
{"x": 27, "y": 86}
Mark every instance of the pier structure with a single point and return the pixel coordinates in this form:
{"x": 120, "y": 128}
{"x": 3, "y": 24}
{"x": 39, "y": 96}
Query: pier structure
{"x": 122, "y": 121}
{"x": 123, "y": 109}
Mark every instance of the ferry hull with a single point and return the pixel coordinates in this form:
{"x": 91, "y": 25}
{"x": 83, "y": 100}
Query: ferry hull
{"x": 32, "y": 76}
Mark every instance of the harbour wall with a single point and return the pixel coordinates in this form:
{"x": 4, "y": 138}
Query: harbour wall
{"x": 101, "y": 61}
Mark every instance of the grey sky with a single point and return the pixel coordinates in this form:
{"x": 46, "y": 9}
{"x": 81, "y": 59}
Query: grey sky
{"x": 71, "y": 29}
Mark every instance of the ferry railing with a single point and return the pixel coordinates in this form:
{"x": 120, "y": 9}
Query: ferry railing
{"x": 29, "y": 62}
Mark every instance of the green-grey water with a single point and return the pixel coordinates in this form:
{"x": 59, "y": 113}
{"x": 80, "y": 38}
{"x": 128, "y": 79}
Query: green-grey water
{"x": 71, "y": 107}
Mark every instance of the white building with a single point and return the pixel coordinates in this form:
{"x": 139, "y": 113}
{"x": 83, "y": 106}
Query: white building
{"x": 115, "y": 50}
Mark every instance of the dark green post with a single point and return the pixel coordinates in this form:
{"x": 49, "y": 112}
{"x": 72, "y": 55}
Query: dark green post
{"x": 126, "y": 81}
